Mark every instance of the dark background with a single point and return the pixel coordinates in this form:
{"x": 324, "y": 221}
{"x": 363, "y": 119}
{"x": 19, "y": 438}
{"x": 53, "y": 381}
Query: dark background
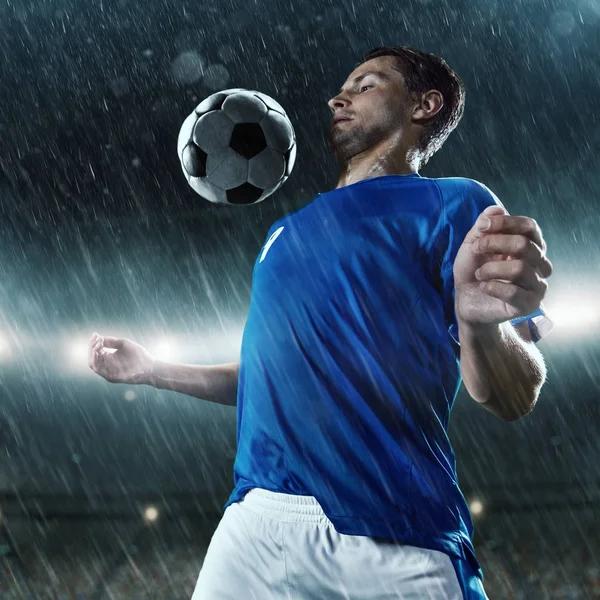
{"x": 100, "y": 232}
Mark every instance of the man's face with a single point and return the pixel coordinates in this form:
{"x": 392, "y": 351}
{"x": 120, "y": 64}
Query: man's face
{"x": 375, "y": 104}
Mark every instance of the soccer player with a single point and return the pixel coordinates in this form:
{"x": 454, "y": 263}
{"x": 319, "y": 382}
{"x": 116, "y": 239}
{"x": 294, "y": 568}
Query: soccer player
{"x": 369, "y": 306}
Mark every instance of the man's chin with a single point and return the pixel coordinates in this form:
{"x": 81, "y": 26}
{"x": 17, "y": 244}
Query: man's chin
{"x": 340, "y": 147}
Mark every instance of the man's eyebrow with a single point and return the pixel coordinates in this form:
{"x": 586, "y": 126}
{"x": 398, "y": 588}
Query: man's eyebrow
{"x": 357, "y": 79}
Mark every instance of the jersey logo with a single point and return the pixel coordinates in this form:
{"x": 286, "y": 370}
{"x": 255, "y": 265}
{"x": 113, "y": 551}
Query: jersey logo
{"x": 269, "y": 243}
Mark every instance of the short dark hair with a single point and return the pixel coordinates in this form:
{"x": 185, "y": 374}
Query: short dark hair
{"x": 423, "y": 72}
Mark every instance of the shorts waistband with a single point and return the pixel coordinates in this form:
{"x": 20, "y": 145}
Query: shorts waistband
{"x": 285, "y": 507}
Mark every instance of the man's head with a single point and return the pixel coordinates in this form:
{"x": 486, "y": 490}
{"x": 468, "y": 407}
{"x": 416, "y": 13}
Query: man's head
{"x": 404, "y": 113}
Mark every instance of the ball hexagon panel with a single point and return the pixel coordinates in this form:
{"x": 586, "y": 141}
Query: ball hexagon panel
{"x": 226, "y": 168}
{"x": 244, "y": 107}
{"x": 272, "y": 104}
{"x": 278, "y": 131}
{"x": 193, "y": 161}
{"x": 266, "y": 169}
{"x": 212, "y": 131}
{"x": 185, "y": 133}
{"x": 207, "y": 191}
{"x": 270, "y": 192}
{"x": 215, "y": 101}
{"x": 248, "y": 139}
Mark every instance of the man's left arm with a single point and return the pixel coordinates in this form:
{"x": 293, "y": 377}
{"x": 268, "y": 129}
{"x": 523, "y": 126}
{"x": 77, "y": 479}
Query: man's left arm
{"x": 501, "y": 368}
{"x": 500, "y": 276}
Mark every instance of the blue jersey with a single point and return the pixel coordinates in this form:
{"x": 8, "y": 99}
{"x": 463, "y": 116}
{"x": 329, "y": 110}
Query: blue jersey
{"x": 349, "y": 363}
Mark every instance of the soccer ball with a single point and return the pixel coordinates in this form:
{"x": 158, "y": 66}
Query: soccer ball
{"x": 237, "y": 147}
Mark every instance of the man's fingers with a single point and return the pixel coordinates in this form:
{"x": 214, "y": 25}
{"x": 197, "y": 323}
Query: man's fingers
{"x": 112, "y": 342}
{"x": 517, "y": 225}
{"x": 517, "y": 246}
{"x": 94, "y": 350}
{"x": 91, "y": 345}
{"x": 516, "y": 272}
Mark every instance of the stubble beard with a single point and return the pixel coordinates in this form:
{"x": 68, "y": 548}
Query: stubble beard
{"x": 347, "y": 142}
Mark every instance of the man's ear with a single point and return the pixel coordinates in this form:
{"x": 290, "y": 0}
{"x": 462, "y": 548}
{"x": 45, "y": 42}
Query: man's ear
{"x": 430, "y": 105}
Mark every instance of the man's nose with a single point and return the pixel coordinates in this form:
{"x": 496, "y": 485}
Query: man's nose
{"x": 338, "y": 101}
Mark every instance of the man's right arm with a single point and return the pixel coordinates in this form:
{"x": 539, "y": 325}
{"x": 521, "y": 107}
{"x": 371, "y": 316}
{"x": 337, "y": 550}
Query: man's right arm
{"x": 215, "y": 383}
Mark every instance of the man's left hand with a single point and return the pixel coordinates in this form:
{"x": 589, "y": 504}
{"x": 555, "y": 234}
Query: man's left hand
{"x": 500, "y": 271}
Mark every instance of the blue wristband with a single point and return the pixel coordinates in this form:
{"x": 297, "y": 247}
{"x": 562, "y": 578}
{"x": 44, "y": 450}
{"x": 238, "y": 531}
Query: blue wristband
{"x": 538, "y": 313}
{"x": 533, "y": 332}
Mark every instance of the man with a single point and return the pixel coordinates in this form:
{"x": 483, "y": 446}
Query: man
{"x": 367, "y": 307}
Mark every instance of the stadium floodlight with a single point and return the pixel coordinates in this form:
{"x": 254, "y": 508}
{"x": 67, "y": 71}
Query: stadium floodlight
{"x": 476, "y": 507}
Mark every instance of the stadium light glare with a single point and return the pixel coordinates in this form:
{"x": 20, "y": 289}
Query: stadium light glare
{"x": 579, "y": 313}
{"x": 78, "y": 353}
{"x": 5, "y": 349}
{"x": 164, "y": 350}
{"x": 151, "y": 514}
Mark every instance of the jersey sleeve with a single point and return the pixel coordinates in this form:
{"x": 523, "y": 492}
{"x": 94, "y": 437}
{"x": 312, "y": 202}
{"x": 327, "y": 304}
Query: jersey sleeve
{"x": 461, "y": 206}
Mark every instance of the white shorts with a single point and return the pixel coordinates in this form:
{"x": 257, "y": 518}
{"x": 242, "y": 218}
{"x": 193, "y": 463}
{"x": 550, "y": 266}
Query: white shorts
{"x": 272, "y": 545}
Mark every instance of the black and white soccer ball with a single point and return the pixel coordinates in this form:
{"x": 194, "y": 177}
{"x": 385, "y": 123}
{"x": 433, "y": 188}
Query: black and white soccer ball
{"x": 237, "y": 147}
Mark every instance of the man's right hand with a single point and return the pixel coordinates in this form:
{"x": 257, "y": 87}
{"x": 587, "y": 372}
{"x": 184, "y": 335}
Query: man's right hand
{"x": 130, "y": 363}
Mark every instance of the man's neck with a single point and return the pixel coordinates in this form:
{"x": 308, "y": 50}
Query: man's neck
{"x": 384, "y": 159}
{"x": 354, "y": 176}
